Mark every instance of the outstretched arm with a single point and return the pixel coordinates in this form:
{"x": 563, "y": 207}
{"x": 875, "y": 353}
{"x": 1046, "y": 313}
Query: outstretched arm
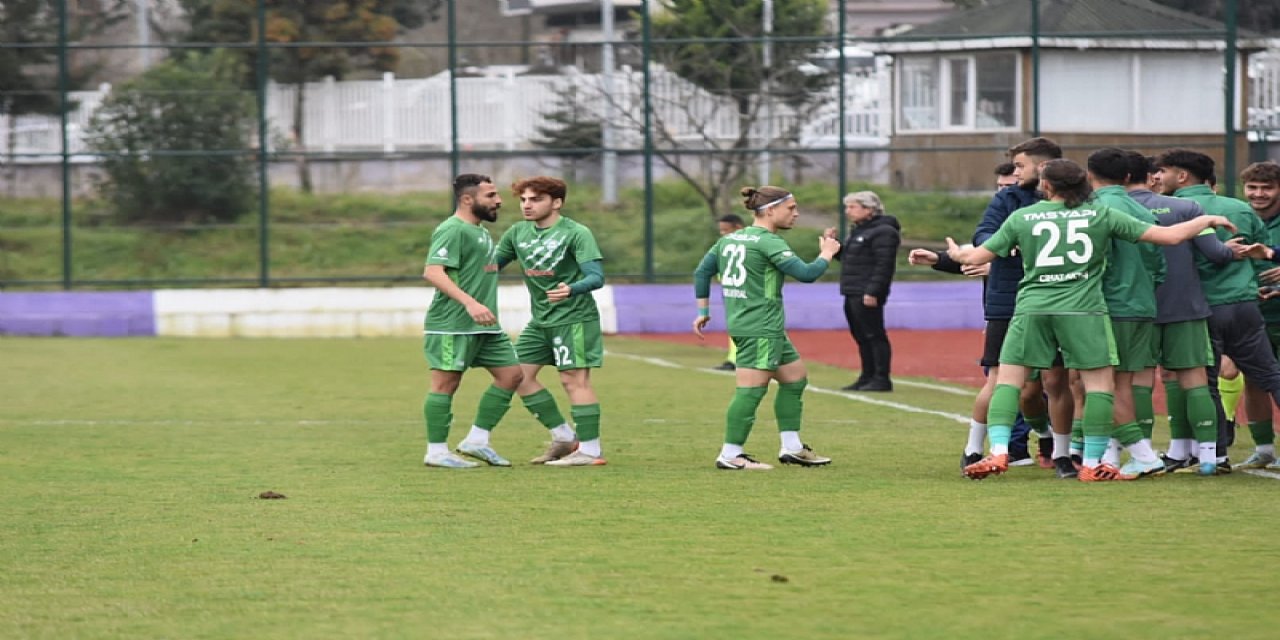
{"x": 969, "y": 255}
{"x": 1184, "y": 230}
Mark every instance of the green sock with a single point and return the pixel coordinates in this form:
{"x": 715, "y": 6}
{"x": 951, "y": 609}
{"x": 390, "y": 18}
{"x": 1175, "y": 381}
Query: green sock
{"x": 1262, "y": 433}
{"x": 586, "y": 420}
{"x": 1039, "y": 424}
{"x": 1144, "y": 410}
{"x": 438, "y": 412}
{"x": 742, "y": 414}
{"x": 1098, "y": 407}
{"x": 1001, "y": 414}
{"x": 1179, "y": 428}
{"x": 1202, "y": 415}
{"x": 493, "y": 405}
{"x": 1128, "y": 433}
{"x": 543, "y": 407}
{"x": 1077, "y": 434}
{"x": 788, "y": 405}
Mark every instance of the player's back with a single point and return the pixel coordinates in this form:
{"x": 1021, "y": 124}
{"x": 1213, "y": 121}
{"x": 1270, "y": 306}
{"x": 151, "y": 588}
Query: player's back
{"x": 1064, "y": 253}
{"x": 750, "y": 281}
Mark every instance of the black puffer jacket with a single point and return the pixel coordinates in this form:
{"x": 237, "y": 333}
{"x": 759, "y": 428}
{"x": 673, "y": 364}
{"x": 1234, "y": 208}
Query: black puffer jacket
{"x": 869, "y": 256}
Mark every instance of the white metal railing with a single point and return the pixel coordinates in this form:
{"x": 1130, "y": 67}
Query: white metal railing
{"x": 1264, "y": 91}
{"x": 394, "y": 114}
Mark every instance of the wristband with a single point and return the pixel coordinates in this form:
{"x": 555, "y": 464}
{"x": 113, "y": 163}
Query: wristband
{"x": 704, "y": 312}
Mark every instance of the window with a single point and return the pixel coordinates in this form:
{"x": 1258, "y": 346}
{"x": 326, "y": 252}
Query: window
{"x": 964, "y": 92}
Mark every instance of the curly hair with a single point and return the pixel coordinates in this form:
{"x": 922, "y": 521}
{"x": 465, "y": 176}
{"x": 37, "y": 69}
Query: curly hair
{"x": 1268, "y": 172}
{"x": 553, "y": 187}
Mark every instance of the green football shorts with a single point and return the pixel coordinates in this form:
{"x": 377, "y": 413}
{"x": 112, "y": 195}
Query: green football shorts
{"x": 1135, "y": 344}
{"x": 460, "y": 351}
{"x": 1033, "y": 341}
{"x": 1185, "y": 345}
{"x": 766, "y": 354}
{"x": 567, "y": 346}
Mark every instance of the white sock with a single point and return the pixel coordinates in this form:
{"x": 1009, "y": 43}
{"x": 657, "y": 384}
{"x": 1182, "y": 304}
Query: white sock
{"x": 1208, "y": 451}
{"x": 977, "y": 437}
{"x": 1112, "y": 456}
{"x": 590, "y": 447}
{"x": 1180, "y": 448}
{"x": 477, "y": 437}
{"x": 1092, "y": 462}
{"x": 730, "y": 451}
{"x": 791, "y": 440}
{"x": 1148, "y": 441}
{"x": 1142, "y": 451}
{"x": 1061, "y": 445}
{"x": 1269, "y": 449}
{"x": 562, "y": 433}
{"x": 999, "y": 449}
{"x": 437, "y": 448}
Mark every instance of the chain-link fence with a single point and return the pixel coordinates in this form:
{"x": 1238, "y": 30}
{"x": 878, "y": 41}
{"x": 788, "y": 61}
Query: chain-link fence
{"x": 264, "y": 143}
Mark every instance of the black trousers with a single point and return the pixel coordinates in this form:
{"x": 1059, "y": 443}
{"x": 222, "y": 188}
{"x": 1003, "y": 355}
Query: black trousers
{"x": 1239, "y": 331}
{"x": 866, "y": 324}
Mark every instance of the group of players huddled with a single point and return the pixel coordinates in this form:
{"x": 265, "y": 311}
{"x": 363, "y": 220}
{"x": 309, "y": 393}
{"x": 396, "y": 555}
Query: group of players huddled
{"x": 1081, "y": 308}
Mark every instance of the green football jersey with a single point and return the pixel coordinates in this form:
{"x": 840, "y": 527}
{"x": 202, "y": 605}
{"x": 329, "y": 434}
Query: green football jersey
{"x": 1134, "y": 269}
{"x": 1235, "y": 281}
{"x": 1064, "y": 254}
{"x": 551, "y": 256}
{"x": 751, "y": 282}
{"x": 1270, "y": 308}
{"x": 470, "y": 259}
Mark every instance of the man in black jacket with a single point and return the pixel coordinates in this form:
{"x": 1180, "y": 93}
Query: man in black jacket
{"x": 868, "y": 258}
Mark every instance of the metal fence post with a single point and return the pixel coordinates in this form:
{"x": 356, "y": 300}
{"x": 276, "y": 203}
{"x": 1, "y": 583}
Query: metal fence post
{"x": 646, "y": 48}
{"x": 264, "y": 147}
{"x": 64, "y": 152}
{"x": 1228, "y": 177}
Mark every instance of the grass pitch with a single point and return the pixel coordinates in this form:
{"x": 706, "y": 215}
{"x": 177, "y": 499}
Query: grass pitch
{"x": 130, "y": 472}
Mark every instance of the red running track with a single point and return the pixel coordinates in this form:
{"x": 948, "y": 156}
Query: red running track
{"x": 951, "y": 356}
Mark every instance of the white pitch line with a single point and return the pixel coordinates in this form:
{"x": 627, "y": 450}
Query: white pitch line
{"x": 851, "y": 396}
{"x": 937, "y": 387}
{"x": 1264, "y": 474}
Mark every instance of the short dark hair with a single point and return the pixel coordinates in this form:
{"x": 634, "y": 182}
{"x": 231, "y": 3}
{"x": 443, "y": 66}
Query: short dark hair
{"x": 1039, "y": 147}
{"x": 1005, "y": 169}
{"x": 466, "y": 183}
{"x": 1067, "y": 180}
{"x": 554, "y": 187}
{"x": 1197, "y": 164}
{"x": 1109, "y": 164}
{"x": 733, "y": 219}
{"x": 1137, "y": 166}
{"x": 1268, "y": 172}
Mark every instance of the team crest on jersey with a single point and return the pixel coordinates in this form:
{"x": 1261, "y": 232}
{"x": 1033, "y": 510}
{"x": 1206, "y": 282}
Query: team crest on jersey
{"x": 443, "y": 252}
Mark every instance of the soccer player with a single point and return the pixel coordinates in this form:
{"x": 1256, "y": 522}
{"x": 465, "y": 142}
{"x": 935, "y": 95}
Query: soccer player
{"x": 1129, "y": 287}
{"x": 1262, "y": 191}
{"x": 752, "y": 264}
{"x": 1064, "y": 243}
{"x": 1182, "y": 329}
{"x": 562, "y": 266}
{"x": 1236, "y": 327}
{"x": 461, "y": 327}
{"x": 728, "y": 223}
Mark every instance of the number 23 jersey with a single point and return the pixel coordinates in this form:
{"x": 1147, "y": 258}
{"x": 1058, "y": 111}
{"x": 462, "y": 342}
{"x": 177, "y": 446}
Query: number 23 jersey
{"x": 1064, "y": 254}
{"x": 751, "y": 281}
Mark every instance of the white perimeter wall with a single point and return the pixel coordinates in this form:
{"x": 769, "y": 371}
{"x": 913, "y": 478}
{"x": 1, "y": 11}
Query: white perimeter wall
{"x": 326, "y": 313}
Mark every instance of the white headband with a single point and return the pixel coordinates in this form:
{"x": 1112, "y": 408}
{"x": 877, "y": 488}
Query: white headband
{"x": 775, "y": 202}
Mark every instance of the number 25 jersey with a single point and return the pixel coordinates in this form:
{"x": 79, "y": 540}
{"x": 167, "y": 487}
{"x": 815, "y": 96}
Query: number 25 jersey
{"x": 1064, "y": 254}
